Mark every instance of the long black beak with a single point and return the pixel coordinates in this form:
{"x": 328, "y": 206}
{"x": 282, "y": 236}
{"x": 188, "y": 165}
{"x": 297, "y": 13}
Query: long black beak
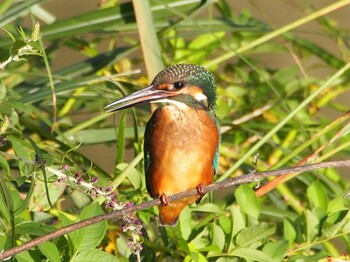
{"x": 147, "y": 94}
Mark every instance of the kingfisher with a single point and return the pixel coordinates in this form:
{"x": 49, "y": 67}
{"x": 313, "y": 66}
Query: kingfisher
{"x": 182, "y": 137}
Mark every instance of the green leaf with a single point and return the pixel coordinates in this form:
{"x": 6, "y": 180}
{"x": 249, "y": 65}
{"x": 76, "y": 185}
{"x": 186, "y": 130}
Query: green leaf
{"x": 317, "y": 195}
{"x": 225, "y": 223}
{"x": 6, "y": 202}
{"x": 346, "y": 228}
{"x": 311, "y": 226}
{"x": 276, "y": 250}
{"x": 250, "y": 254}
{"x": 289, "y": 231}
{"x": 39, "y": 200}
{"x": 198, "y": 48}
{"x": 254, "y": 234}
{"x": 213, "y": 249}
{"x": 247, "y": 200}
{"x": 122, "y": 244}
{"x": 22, "y": 152}
{"x": 217, "y": 237}
{"x": 317, "y": 256}
{"x": 144, "y": 216}
{"x": 88, "y": 237}
{"x": 50, "y": 251}
{"x": 24, "y": 257}
{"x": 336, "y": 217}
{"x": 200, "y": 240}
{"x": 134, "y": 176}
{"x": 336, "y": 204}
{"x": 227, "y": 259}
{"x": 329, "y": 230}
{"x": 237, "y": 219}
{"x": 94, "y": 255}
{"x": 2, "y": 241}
{"x": 195, "y": 256}
{"x": 185, "y": 222}
{"x": 16, "y": 201}
{"x": 182, "y": 245}
{"x": 33, "y": 228}
{"x": 208, "y": 207}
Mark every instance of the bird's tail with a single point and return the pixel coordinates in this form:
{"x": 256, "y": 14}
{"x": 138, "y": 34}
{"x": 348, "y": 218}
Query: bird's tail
{"x": 169, "y": 214}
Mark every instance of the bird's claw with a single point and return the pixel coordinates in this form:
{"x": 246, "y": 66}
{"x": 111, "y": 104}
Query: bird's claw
{"x": 164, "y": 200}
{"x": 201, "y": 193}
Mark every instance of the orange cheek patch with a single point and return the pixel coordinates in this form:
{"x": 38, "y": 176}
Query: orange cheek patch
{"x": 163, "y": 87}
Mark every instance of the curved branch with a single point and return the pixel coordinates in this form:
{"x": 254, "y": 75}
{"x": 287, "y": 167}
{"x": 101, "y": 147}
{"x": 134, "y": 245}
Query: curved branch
{"x": 254, "y": 176}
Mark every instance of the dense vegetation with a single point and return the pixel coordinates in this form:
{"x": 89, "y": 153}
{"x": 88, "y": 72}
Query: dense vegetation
{"x": 55, "y": 171}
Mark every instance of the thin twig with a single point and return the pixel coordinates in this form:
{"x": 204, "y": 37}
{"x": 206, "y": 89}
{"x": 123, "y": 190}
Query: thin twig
{"x": 256, "y": 176}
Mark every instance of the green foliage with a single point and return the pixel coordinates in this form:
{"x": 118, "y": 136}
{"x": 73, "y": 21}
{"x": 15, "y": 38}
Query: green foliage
{"x": 63, "y": 159}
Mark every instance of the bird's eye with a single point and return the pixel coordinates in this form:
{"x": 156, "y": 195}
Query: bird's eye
{"x": 179, "y": 85}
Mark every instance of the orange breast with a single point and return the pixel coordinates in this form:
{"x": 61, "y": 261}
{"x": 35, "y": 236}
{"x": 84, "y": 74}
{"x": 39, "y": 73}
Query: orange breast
{"x": 181, "y": 147}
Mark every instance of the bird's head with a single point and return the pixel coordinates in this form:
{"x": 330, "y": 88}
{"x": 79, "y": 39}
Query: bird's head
{"x": 177, "y": 82}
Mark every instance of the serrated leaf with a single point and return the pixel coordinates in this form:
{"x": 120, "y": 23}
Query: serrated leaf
{"x": 346, "y": 228}
{"x": 336, "y": 217}
{"x": 317, "y": 195}
{"x": 329, "y": 230}
{"x": 253, "y": 234}
{"x": 247, "y": 200}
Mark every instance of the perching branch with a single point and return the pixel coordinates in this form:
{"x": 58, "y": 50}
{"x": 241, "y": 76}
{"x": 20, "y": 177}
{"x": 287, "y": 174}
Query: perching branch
{"x": 254, "y": 176}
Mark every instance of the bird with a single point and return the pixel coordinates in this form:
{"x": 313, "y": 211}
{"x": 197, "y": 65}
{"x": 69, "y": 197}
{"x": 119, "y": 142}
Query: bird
{"x": 182, "y": 137}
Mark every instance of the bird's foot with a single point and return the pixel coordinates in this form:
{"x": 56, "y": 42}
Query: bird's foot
{"x": 201, "y": 193}
{"x": 164, "y": 200}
